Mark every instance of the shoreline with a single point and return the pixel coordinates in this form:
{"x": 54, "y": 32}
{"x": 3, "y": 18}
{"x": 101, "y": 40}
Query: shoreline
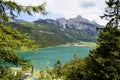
{"x": 81, "y": 44}
{"x": 77, "y": 44}
{"x": 72, "y": 45}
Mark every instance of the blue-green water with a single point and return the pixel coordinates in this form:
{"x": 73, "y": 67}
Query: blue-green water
{"x": 48, "y": 56}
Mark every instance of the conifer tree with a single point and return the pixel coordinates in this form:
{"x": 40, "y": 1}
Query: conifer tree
{"x": 11, "y": 40}
{"x": 103, "y": 62}
{"x": 112, "y": 12}
{"x": 57, "y": 68}
{"x": 14, "y": 9}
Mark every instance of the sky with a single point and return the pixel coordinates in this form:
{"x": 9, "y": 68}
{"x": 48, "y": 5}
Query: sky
{"x": 89, "y": 9}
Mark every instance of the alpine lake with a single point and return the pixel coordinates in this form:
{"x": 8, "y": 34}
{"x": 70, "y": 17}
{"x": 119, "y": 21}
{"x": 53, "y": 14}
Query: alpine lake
{"x": 47, "y": 57}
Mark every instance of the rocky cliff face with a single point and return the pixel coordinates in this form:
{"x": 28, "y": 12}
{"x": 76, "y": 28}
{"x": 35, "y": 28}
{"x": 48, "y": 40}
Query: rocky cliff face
{"x": 60, "y": 30}
{"x": 78, "y": 22}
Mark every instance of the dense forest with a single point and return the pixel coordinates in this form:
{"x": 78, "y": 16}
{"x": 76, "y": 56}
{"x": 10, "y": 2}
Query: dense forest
{"x": 12, "y": 41}
{"x": 102, "y": 63}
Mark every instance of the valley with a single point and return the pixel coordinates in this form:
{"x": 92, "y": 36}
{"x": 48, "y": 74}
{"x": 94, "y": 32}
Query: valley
{"x": 48, "y": 32}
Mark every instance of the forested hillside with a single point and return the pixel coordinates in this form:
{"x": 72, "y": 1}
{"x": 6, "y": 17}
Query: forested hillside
{"x": 51, "y": 33}
{"x": 44, "y": 34}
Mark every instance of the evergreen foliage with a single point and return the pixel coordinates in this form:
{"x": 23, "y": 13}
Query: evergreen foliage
{"x": 14, "y": 9}
{"x": 74, "y": 70}
{"x": 112, "y": 12}
{"x": 104, "y": 61}
{"x": 57, "y": 68}
{"x": 12, "y": 41}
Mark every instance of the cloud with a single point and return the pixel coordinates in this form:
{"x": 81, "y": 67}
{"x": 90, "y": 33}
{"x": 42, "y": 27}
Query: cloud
{"x": 90, "y": 9}
{"x": 87, "y": 4}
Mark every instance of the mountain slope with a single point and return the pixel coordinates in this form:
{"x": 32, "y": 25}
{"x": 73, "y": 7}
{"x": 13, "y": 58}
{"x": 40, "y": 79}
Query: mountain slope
{"x": 78, "y": 27}
{"x": 45, "y": 34}
{"x": 50, "y": 32}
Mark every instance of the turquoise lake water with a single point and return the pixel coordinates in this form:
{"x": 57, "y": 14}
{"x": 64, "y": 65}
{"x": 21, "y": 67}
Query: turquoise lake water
{"x": 48, "y": 56}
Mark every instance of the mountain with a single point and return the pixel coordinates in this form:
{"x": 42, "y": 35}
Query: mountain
{"x": 44, "y": 34}
{"x": 78, "y": 27}
{"x": 72, "y": 23}
{"x": 14, "y": 20}
{"x": 50, "y": 32}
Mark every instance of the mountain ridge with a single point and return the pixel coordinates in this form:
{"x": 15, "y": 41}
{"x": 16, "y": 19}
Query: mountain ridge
{"x": 49, "y": 32}
{"x": 71, "y": 21}
{"x": 78, "y": 26}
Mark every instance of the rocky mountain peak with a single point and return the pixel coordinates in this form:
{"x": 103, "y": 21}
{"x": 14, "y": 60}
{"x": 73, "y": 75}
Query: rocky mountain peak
{"x": 73, "y": 23}
{"x": 61, "y": 19}
{"x": 79, "y": 17}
